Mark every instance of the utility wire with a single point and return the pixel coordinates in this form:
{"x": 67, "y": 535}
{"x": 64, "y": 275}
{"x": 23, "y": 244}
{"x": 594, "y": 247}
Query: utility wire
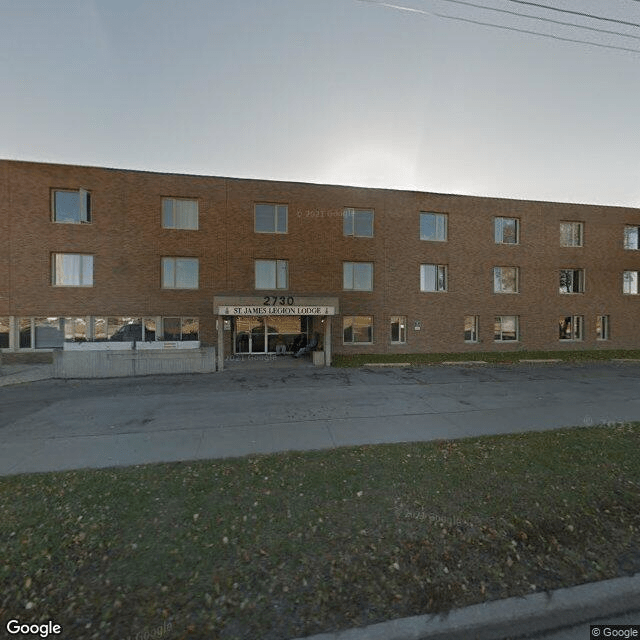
{"x": 497, "y": 26}
{"x": 532, "y": 17}
{"x": 576, "y": 13}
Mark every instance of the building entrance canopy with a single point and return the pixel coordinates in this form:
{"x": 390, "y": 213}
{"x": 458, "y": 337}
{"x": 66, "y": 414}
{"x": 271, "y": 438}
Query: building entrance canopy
{"x": 262, "y": 322}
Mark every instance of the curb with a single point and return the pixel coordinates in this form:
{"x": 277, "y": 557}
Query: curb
{"x": 509, "y": 618}
{"x": 28, "y": 374}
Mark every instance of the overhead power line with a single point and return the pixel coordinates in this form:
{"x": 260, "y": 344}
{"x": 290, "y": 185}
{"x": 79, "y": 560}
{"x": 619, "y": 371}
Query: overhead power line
{"x": 498, "y": 26}
{"x": 532, "y": 17}
{"x": 576, "y": 13}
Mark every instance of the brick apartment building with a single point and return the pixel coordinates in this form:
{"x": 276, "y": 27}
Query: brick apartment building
{"x": 94, "y": 255}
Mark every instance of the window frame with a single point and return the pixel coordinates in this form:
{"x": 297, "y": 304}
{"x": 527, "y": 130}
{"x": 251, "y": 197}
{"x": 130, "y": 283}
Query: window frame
{"x": 351, "y": 213}
{"x": 577, "y": 328}
{"x": 580, "y": 233}
{"x": 502, "y": 330}
{"x": 353, "y": 265}
{"x": 625, "y": 242}
{"x": 277, "y": 206}
{"x": 84, "y": 206}
{"x": 475, "y": 331}
{"x": 635, "y": 280}
{"x": 54, "y": 269}
{"x": 401, "y": 321}
{"x": 277, "y": 264}
{"x": 164, "y": 260}
{"x": 354, "y": 342}
{"x": 500, "y": 225}
{"x": 175, "y": 213}
{"x": 441, "y": 274}
{"x": 437, "y": 216}
{"x": 581, "y": 281}
{"x": 497, "y": 276}
{"x": 603, "y": 327}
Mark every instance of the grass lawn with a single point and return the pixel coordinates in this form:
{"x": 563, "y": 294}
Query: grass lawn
{"x": 360, "y": 359}
{"x": 279, "y": 546}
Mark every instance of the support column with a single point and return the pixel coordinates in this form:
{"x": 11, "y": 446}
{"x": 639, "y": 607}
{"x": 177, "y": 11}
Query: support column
{"x": 327, "y": 340}
{"x": 14, "y": 333}
{"x": 220, "y": 354}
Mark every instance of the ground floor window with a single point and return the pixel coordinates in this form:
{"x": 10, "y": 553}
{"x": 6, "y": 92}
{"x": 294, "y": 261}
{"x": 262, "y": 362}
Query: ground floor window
{"x": 471, "y": 326}
{"x": 398, "y": 329}
{"x": 506, "y": 328}
{"x": 602, "y": 327}
{"x": 357, "y": 329}
{"x": 53, "y": 332}
{"x": 570, "y": 327}
{"x": 4, "y": 333}
{"x": 180, "y": 329}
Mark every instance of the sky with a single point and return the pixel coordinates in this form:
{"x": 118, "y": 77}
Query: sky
{"x": 406, "y": 94}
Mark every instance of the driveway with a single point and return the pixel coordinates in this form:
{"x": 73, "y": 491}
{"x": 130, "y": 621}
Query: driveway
{"x": 54, "y": 424}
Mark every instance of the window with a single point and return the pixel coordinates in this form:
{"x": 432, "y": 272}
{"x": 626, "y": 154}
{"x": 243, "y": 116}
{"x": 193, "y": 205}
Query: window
{"x": 630, "y": 282}
{"x": 505, "y": 328}
{"x": 4, "y": 333}
{"x": 71, "y": 206}
{"x": 507, "y": 230}
{"x": 631, "y": 237}
{"x": 602, "y": 327}
{"x": 272, "y": 274}
{"x": 358, "y": 222}
{"x": 72, "y": 270}
{"x": 180, "y": 329}
{"x": 433, "y": 277}
{"x": 571, "y": 327}
{"x": 433, "y": 226}
{"x": 180, "y": 273}
{"x": 505, "y": 279}
{"x": 571, "y": 234}
{"x": 75, "y": 330}
{"x": 48, "y": 333}
{"x": 179, "y": 213}
{"x": 25, "y": 333}
{"x": 398, "y": 329}
{"x": 357, "y": 276}
{"x": 571, "y": 280}
{"x": 271, "y": 218}
{"x": 471, "y": 326}
{"x": 357, "y": 329}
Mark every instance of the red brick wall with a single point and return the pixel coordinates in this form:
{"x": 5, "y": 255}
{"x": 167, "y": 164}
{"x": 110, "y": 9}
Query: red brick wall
{"x": 128, "y": 241}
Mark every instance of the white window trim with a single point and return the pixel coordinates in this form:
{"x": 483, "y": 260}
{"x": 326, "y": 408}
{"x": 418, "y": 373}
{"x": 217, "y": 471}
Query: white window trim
{"x": 54, "y": 282}
{"x": 275, "y": 206}
{"x": 581, "y": 233}
{"x": 174, "y": 213}
{"x": 605, "y": 328}
{"x": 352, "y": 342}
{"x": 637, "y": 283}
{"x": 445, "y": 269}
{"x": 84, "y": 206}
{"x": 444, "y": 216}
{"x": 277, "y": 263}
{"x": 580, "y": 324}
{"x": 352, "y": 211}
{"x": 501, "y": 241}
{"x": 401, "y": 330}
{"x": 501, "y": 290}
{"x": 476, "y": 330}
{"x": 175, "y": 273}
{"x": 347, "y": 265}
{"x": 517, "y": 321}
{"x": 582, "y": 278}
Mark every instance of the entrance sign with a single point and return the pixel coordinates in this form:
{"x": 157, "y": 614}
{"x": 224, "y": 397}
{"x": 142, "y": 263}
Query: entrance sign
{"x": 262, "y": 310}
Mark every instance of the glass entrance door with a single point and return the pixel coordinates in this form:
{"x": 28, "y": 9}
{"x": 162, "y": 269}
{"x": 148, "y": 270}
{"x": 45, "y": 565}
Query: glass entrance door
{"x": 264, "y": 334}
{"x": 250, "y": 335}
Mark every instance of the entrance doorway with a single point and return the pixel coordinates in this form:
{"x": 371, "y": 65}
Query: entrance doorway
{"x": 261, "y": 334}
